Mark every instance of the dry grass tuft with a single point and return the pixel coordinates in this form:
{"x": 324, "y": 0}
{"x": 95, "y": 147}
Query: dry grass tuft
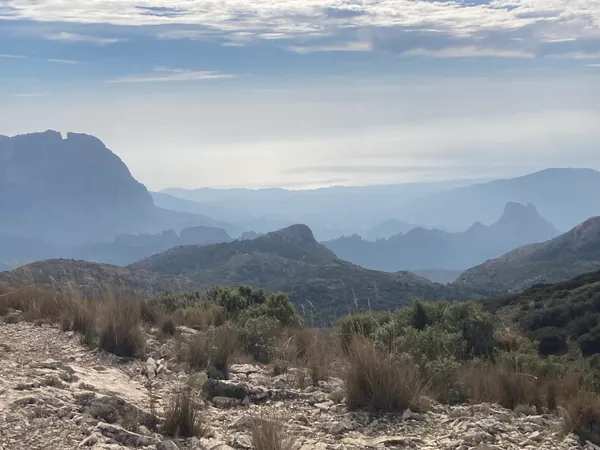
{"x": 376, "y": 382}
{"x": 213, "y": 349}
{"x": 503, "y": 385}
{"x": 581, "y": 415}
{"x": 269, "y": 435}
{"x": 120, "y": 328}
{"x": 182, "y": 416}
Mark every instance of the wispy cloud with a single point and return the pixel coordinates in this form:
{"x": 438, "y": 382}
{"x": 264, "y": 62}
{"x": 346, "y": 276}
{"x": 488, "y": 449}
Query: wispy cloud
{"x": 163, "y": 74}
{"x": 50, "y": 60}
{"x": 4, "y": 55}
{"x": 74, "y": 37}
{"x": 30, "y": 94}
{"x": 62, "y": 61}
{"x": 347, "y": 47}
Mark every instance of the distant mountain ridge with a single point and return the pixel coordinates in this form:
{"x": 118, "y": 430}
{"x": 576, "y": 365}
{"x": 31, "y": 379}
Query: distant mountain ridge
{"x": 127, "y": 249}
{"x": 564, "y": 196}
{"x": 387, "y": 229}
{"x": 426, "y": 249}
{"x": 562, "y": 258}
{"x": 329, "y": 212}
{"x": 291, "y": 260}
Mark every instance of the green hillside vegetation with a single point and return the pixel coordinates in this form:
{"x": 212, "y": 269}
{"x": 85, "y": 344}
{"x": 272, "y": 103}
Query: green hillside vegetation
{"x": 563, "y": 317}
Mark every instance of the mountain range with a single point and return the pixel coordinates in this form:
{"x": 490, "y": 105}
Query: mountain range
{"x": 562, "y": 258}
{"x": 70, "y": 201}
{"x": 426, "y": 249}
{"x": 564, "y": 196}
{"x": 289, "y": 260}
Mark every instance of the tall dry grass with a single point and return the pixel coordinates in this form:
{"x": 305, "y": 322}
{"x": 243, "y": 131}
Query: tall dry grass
{"x": 183, "y": 418}
{"x": 270, "y": 435}
{"x": 376, "y": 382}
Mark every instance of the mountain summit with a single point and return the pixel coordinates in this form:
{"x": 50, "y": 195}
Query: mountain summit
{"x": 65, "y": 190}
{"x": 421, "y": 248}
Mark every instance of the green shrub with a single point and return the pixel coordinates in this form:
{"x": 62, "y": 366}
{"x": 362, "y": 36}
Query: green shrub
{"x": 363, "y": 324}
{"x": 257, "y": 335}
{"x": 551, "y": 340}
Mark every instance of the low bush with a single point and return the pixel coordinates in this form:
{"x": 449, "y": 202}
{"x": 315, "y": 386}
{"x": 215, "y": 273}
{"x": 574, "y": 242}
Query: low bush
{"x": 257, "y": 336}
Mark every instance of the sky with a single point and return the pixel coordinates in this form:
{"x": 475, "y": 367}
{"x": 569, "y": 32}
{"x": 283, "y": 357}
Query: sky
{"x": 309, "y": 93}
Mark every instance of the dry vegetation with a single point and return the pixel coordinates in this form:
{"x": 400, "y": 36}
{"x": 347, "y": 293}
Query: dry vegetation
{"x": 268, "y": 435}
{"x": 183, "y": 416}
{"x": 452, "y": 353}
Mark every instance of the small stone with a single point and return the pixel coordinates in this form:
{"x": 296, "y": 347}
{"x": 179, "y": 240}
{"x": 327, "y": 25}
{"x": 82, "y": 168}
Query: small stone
{"x": 123, "y": 436}
{"x": 167, "y": 445}
{"x": 150, "y": 368}
{"x": 226, "y": 402}
{"x": 244, "y": 368}
{"x": 212, "y": 444}
{"x": 324, "y": 406}
{"x": 409, "y": 415}
{"x": 336, "y": 428}
{"x": 91, "y": 440}
{"x": 535, "y": 436}
{"x": 242, "y": 441}
{"x": 242, "y": 422}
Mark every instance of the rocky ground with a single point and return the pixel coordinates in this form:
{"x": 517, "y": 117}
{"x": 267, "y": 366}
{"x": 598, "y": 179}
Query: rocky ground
{"x": 56, "y": 394}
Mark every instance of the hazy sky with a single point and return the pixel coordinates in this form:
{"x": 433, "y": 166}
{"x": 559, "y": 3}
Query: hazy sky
{"x": 304, "y": 93}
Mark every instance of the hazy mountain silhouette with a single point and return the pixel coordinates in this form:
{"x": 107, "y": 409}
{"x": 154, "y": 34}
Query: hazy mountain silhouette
{"x": 127, "y": 249}
{"x": 559, "y": 259}
{"x": 329, "y": 212}
{"x": 18, "y": 250}
{"x": 565, "y": 197}
{"x": 387, "y": 229}
{"x": 69, "y": 191}
{"x": 426, "y": 249}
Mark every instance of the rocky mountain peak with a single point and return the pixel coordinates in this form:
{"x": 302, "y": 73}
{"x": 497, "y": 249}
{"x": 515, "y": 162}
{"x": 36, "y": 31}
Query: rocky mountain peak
{"x": 70, "y": 184}
{"x": 514, "y": 211}
{"x": 296, "y": 234}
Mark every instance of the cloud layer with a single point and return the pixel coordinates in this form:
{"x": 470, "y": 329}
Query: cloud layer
{"x": 505, "y": 28}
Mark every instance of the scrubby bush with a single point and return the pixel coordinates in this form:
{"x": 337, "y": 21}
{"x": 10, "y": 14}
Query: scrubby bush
{"x": 257, "y": 335}
{"x": 552, "y": 340}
